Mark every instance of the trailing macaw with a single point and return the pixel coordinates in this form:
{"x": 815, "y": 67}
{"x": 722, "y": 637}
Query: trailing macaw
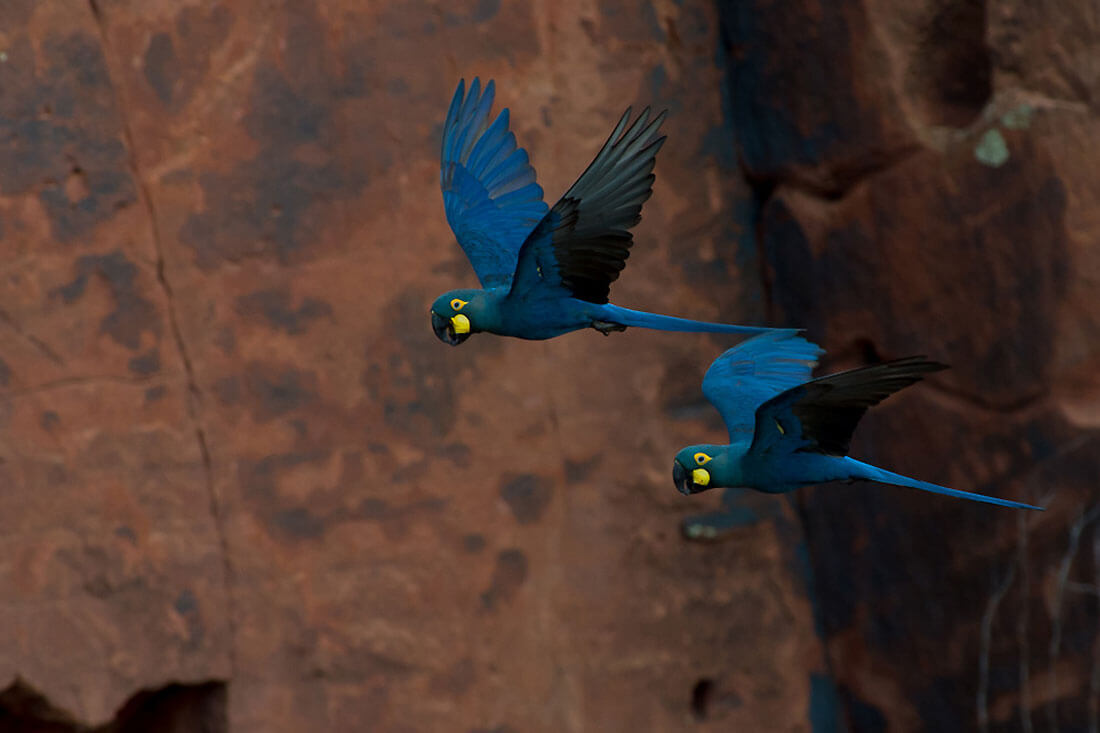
{"x": 543, "y": 273}
{"x": 787, "y": 429}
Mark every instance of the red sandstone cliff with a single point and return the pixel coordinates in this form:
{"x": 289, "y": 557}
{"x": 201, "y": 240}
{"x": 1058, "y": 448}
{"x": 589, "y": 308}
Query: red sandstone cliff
{"x": 238, "y": 472}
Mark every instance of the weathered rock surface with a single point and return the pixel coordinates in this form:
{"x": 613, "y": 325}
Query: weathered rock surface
{"x": 926, "y": 178}
{"x": 236, "y": 450}
{"x": 112, "y": 570}
{"x": 244, "y": 477}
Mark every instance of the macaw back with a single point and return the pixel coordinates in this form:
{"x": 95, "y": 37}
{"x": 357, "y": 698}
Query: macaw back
{"x": 780, "y": 473}
{"x": 538, "y": 316}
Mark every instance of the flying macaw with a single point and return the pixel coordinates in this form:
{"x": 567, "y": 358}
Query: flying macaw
{"x": 543, "y": 273}
{"x": 787, "y": 429}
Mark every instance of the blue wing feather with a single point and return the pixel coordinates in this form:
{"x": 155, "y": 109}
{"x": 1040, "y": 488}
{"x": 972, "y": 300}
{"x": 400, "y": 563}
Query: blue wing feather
{"x": 490, "y": 195}
{"x": 754, "y": 371}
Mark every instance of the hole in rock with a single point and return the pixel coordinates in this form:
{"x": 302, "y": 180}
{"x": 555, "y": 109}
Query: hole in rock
{"x": 175, "y": 708}
{"x": 867, "y": 351}
{"x": 76, "y": 185}
{"x": 951, "y": 68}
{"x": 701, "y": 695}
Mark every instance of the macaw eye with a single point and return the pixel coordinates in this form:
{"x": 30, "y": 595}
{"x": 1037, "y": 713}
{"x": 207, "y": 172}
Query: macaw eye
{"x": 702, "y": 459}
{"x": 457, "y": 304}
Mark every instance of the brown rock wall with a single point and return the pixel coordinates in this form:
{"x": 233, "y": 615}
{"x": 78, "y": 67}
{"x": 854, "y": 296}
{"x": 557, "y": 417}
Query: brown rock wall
{"x": 236, "y": 454}
{"x": 376, "y": 532}
{"x": 977, "y": 248}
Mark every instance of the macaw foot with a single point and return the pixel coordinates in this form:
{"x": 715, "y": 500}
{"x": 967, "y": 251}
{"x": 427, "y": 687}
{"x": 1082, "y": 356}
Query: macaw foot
{"x": 606, "y": 327}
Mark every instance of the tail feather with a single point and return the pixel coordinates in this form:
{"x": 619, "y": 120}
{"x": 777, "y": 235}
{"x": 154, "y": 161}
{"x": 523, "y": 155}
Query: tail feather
{"x": 872, "y": 473}
{"x": 641, "y": 319}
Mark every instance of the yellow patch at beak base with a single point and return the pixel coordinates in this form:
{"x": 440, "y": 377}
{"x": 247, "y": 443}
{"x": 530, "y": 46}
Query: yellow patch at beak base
{"x": 461, "y": 323}
{"x": 700, "y": 476}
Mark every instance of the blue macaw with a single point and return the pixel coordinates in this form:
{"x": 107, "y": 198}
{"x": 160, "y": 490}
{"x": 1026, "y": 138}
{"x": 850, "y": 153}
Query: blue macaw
{"x": 543, "y": 273}
{"x": 787, "y": 429}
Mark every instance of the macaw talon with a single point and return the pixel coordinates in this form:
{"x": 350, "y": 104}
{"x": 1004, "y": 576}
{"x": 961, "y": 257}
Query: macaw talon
{"x": 606, "y": 327}
{"x": 445, "y": 330}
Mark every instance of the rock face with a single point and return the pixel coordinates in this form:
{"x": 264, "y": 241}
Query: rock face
{"x": 243, "y": 477}
{"x": 926, "y": 179}
{"x": 236, "y": 451}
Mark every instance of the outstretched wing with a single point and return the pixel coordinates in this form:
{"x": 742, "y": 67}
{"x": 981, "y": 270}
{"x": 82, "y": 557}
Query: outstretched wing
{"x": 580, "y": 247}
{"x": 489, "y": 190}
{"x": 754, "y": 371}
{"x": 820, "y": 416}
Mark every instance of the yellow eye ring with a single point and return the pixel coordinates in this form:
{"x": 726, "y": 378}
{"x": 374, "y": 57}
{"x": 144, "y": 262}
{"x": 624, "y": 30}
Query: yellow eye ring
{"x": 702, "y": 459}
{"x": 457, "y": 303}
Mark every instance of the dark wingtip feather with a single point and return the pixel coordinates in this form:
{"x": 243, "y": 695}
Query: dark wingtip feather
{"x": 591, "y": 240}
{"x": 829, "y": 408}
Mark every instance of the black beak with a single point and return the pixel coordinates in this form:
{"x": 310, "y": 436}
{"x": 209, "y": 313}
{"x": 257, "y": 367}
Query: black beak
{"x": 685, "y": 481}
{"x": 445, "y": 331}
{"x": 681, "y": 478}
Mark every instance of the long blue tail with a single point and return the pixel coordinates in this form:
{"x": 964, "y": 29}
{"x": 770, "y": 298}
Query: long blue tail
{"x": 641, "y": 319}
{"x": 872, "y": 473}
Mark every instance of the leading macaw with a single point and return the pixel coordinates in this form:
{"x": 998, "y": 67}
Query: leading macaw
{"x": 543, "y": 273}
{"x": 788, "y": 430}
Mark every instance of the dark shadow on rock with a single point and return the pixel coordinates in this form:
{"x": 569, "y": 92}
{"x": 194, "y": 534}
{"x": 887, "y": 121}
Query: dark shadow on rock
{"x": 174, "y": 708}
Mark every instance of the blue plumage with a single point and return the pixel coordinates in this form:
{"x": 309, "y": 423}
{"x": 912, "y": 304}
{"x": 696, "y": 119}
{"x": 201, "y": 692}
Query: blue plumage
{"x": 489, "y": 191}
{"x": 543, "y": 272}
{"x": 749, "y": 374}
{"x": 788, "y": 430}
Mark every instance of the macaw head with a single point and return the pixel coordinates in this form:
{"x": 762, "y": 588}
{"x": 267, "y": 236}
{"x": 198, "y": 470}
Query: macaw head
{"x": 457, "y": 314}
{"x": 701, "y": 467}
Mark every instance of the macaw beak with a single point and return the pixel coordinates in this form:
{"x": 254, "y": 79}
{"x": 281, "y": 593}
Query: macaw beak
{"x": 680, "y": 478}
{"x": 451, "y": 331}
{"x": 689, "y": 483}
